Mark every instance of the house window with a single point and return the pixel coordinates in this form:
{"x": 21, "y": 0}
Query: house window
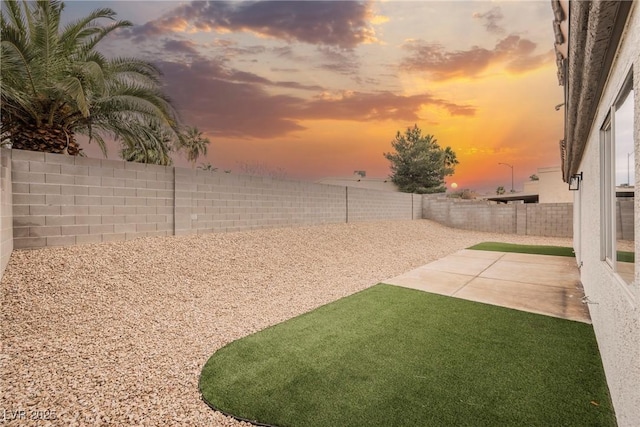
{"x": 618, "y": 185}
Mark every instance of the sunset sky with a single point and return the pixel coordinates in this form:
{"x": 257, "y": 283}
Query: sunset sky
{"x": 319, "y": 89}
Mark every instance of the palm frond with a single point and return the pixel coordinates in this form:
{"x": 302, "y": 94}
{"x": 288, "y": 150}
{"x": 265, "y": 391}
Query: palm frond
{"x": 54, "y": 76}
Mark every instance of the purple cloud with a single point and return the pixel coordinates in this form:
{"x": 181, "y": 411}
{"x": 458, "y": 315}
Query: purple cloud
{"x": 180, "y": 46}
{"x": 491, "y": 20}
{"x": 332, "y": 23}
{"x": 233, "y": 103}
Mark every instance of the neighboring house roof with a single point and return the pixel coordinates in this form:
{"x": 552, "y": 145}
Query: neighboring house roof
{"x": 594, "y": 31}
{"x": 549, "y": 188}
{"x": 514, "y": 197}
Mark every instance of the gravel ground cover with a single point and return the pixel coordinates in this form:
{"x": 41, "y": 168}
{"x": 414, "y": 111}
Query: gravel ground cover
{"x": 117, "y": 333}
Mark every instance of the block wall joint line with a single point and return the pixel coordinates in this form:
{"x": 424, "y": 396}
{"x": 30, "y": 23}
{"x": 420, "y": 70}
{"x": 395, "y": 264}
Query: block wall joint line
{"x": 175, "y": 204}
{"x": 346, "y": 196}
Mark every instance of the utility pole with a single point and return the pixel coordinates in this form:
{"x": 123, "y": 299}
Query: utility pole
{"x": 511, "y": 166}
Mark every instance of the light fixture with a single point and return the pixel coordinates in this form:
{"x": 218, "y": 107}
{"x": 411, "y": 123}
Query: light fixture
{"x": 574, "y": 182}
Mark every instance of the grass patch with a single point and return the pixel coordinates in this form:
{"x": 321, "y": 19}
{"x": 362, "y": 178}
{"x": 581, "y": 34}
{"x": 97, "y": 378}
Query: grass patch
{"x": 393, "y": 356}
{"x": 524, "y": 249}
{"x": 624, "y": 256}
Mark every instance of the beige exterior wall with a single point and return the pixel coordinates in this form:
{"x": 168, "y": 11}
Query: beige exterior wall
{"x": 6, "y": 210}
{"x": 614, "y": 305}
{"x": 551, "y": 187}
{"x": 530, "y": 187}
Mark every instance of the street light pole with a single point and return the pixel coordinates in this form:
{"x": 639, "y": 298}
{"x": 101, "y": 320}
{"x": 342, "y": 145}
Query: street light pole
{"x": 511, "y": 166}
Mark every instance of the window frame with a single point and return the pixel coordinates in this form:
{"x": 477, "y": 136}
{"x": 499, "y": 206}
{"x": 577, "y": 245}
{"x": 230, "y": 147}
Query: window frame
{"x": 608, "y": 217}
{"x": 607, "y": 196}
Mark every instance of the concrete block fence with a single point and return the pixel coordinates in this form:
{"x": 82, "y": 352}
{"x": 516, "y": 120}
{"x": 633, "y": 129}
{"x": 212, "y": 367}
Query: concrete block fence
{"x": 62, "y": 200}
{"x": 545, "y": 219}
{"x": 6, "y": 210}
{"x": 57, "y": 200}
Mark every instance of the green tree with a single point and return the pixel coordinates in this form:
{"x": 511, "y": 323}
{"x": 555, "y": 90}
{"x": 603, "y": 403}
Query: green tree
{"x": 500, "y": 190}
{"x": 153, "y": 144}
{"x": 534, "y": 177}
{"x": 54, "y": 84}
{"x": 207, "y": 167}
{"x": 419, "y": 164}
{"x": 194, "y": 143}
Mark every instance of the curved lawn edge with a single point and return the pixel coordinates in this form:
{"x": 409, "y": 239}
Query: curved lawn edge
{"x": 248, "y": 420}
{"x": 351, "y": 363}
{"x": 235, "y": 417}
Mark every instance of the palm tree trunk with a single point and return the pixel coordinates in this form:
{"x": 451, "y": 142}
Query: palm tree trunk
{"x": 46, "y": 138}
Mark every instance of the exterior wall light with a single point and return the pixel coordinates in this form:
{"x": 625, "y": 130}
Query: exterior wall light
{"x": 574, "y": 182}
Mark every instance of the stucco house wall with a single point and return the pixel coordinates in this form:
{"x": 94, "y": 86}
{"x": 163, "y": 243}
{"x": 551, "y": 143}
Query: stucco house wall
{"x": 614, "y": 305}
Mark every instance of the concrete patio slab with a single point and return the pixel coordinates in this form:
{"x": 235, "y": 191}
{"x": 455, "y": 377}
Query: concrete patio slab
{"x": 540, "y": 273}
{"x": 461, "y": 265}
{"x": 494, "y": 255}
{"x": 540, "y": 259}
{"x": 434, "y": 281}
{"x": 541, "y": 284}
{"x": 549, "y": 300}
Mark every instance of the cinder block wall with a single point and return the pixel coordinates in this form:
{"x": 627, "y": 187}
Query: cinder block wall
{"x": 417, "y": 206}
{"x": 60, "y": 200}
{"x": 550, "y": 219}
{"x": 6, "y": 221}
{"x": 365, "y": 204}
{"x": 212, "y": 202}
{"x": 470, "y": 214}
{"x": 625, "y": 219}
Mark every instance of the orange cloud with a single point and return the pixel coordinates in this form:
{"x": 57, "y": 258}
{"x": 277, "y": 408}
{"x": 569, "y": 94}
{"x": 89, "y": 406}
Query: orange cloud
{"x": 514, "y": 52}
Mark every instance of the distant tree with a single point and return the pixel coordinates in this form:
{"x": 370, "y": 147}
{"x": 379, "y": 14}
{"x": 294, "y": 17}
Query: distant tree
{"x": 207, "y": 167}
{"x": 193, "y": 143}
{"x": 500, "y": 190}
{"x": 534, "y": 177}
{"x": 465, "y": 194}
{"x": 419, "y": 164}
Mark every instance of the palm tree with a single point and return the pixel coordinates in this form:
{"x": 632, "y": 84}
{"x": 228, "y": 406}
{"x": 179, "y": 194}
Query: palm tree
{"x": 207, "y": 167}
{"x": 155, "y": 147}
{"x": 194, "y": 143}
{"x": 449, "y": 161}
{"x": 54, "y": 84}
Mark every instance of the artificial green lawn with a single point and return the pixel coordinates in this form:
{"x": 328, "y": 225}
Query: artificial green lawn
{"x": 391, "y": 356}
{"x": 622, "y": 256}
{"x": 524, "y": 249}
